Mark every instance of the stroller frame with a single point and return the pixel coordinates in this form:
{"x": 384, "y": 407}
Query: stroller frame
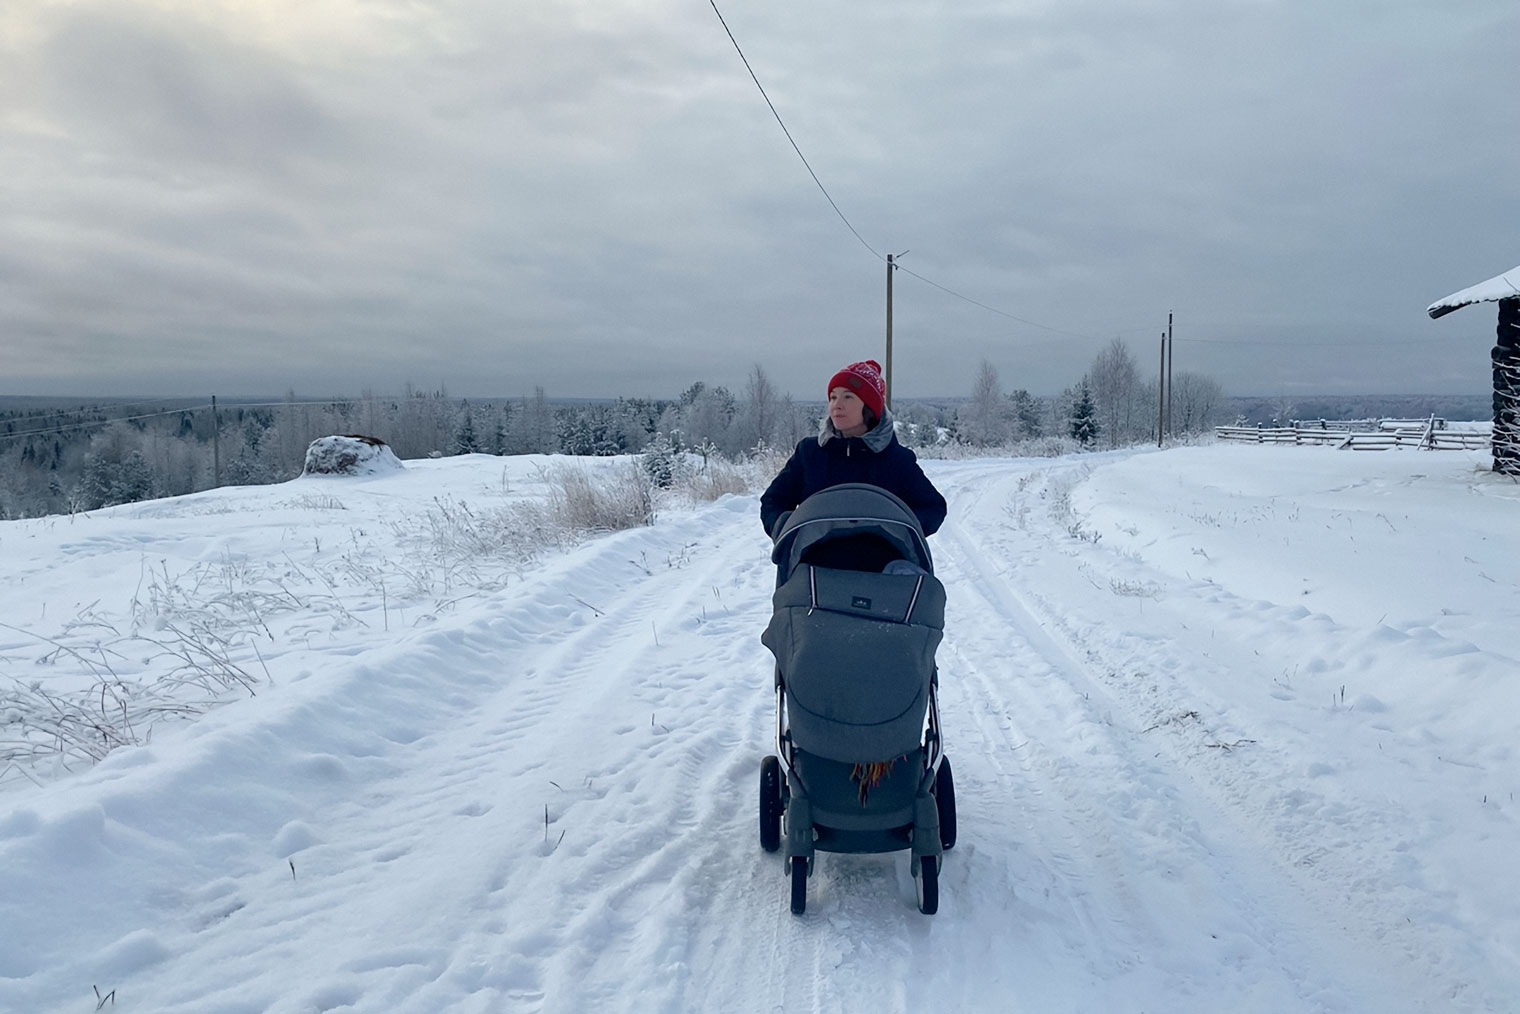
{"x": 813, "y": 801}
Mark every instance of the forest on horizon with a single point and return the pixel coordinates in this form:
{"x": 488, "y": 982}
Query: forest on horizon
{"x": 62, "y": 456}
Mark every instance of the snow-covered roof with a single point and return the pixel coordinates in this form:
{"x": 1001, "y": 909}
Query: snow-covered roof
{"x": 1493, "y": 290}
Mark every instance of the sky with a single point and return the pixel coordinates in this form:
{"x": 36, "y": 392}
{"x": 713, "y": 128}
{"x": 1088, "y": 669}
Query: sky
{"x": 1231, "y": 727}
{"x": 223, "y": 197}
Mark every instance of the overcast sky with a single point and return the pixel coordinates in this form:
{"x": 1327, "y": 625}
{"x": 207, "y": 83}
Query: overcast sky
{"x": 214, "y": 196}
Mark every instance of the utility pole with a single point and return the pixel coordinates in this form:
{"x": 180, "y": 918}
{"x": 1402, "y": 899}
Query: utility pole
{"x": 1170, "y": 353}
{"x": 216, "y": 446}
{"x": 1161, "y": 394}
{"x": 887, "y": 378}
{"x": 890, "y": 268}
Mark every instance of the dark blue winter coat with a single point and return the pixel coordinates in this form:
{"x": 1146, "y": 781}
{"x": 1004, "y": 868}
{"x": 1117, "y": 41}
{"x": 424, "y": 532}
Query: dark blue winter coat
{"x": 832, "y": 460}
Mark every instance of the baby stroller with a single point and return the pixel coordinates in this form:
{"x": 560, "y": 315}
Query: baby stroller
{"x": 859, "y": 767}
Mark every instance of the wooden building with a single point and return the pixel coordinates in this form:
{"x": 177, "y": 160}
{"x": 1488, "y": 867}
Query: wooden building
{"x": 1504, "y": 290}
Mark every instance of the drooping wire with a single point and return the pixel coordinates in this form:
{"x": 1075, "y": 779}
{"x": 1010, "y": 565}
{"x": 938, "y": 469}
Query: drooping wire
{"x": 874, "y": 252}
{"x": 102, "y": 423}
{"x": 1371, "y": 343}
{"x": 993, "y": 309}
{"x": 961, "y": 296}
{"x": 788, "y": 134}
{"x": 85, "y": 424}
{"x": 41, "y": 417}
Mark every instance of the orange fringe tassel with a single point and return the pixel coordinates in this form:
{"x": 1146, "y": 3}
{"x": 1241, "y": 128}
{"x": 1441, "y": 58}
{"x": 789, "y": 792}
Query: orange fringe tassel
{"x": 868, "y": 776}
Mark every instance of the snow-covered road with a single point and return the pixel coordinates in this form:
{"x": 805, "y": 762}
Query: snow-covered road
{"x": 1180, "y": 787}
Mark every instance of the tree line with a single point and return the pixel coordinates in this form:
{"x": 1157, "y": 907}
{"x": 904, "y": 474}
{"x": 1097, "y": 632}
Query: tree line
{"x": 54, "y": 462}
{"x": 96, "y": 456}
{"x": 1112, "y": 405}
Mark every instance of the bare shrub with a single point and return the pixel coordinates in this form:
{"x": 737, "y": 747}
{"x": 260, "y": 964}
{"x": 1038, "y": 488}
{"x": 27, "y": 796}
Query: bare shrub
{"x": 1035, "y": 447}
{"x": 454, "y": 529}
{"x": 718, "y": 476}
{"x": 191, "y": 642}
{"x": 107, "y": 709}
{"x": 581, "y": 503}
{"x": 454, "y": 544}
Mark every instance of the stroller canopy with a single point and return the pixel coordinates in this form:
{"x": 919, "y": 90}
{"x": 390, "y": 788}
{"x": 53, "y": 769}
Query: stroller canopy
{"x": 851, "y": 509}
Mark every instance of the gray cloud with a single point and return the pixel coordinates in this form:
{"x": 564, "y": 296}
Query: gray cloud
{"x": 596, "y": 199}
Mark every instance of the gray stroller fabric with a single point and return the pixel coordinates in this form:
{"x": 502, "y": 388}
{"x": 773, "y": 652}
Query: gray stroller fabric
{"x": 854, "y": 648}
{"x": 854, "y": 508}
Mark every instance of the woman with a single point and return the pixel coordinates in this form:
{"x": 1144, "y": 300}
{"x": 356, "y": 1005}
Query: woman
{"x": 856, "y": 443}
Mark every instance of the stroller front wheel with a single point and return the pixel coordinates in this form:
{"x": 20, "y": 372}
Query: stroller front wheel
{"x": 799, "y": 884}
{"x": 928, "y": 885}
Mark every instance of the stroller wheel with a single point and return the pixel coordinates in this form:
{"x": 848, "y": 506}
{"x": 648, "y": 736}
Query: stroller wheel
{"x": 799, "y": 884}
{"x": 928, "y": 885}
{"x": 770, "y": 804}
{"x": 944, "y": 801}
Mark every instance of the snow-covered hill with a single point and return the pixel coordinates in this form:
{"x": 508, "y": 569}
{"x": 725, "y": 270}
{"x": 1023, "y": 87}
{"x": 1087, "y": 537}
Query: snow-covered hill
{"x": 1232, "y": 728}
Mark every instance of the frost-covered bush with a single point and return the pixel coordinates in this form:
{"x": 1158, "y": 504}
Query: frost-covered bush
{"x": 607, "y": 502}
{"x": 1037, "y": 447}
{"x": 663, "y": 463}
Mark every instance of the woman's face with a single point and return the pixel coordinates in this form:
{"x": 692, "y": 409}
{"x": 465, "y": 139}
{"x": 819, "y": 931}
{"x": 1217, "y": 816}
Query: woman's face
{"x": 847, "y": 412}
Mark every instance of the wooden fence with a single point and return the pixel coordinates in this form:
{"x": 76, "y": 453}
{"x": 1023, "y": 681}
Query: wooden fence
{"x": 1430, "y": 434}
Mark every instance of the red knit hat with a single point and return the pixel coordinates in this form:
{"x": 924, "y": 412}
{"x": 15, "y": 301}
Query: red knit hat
{"x": 863, "y": 379}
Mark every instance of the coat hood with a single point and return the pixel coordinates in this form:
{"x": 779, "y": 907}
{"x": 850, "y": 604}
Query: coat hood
{"x": 877, "y": 438}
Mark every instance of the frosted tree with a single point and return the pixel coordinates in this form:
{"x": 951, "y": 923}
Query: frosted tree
{"x": 983, "y": 420}
{"x": 756, "y": 423}
{"x": 636, "y": 422}
{"x": 465, "y": 441}
{"x": 1198, "y": 402}
{"x": 531, "y": 429}
{"x": 1083, "y": 424}
{"x": 1027, "y": 415}
{"x": 793, "y": 422}
{"x": 1117, "y": 396}
{"x": 709, "y": 420}
{"x": 540, "y": 422}
{"x": 115, "y": 469}
{"x": 501, "y": 416}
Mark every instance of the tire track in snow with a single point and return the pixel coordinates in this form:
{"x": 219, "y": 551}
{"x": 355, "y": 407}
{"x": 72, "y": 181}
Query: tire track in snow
{"x": 618, "y": 846}
{"x": 1087, "y": 872}
{"x": 1172, "y": 871}
{"x": 523, "y": 695}
{"x": 1193, "y": 662}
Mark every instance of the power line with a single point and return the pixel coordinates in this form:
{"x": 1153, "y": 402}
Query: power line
{"x": 874, "y": 252}
{"x": 69, "y": 413}
{"x": 986, "y": 306}
{"x": 1005, "y": 313}
{"x": 1303, "y": 345}
{"x": 788, "y": 133}
{"x": 87, "y": 424}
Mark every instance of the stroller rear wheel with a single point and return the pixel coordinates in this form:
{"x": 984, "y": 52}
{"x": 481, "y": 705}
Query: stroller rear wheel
{"x": 944, "y": 801}
{"x": 770, "y": 804}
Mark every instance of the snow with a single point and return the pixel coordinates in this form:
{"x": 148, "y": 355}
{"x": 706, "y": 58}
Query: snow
{"x": 350, "y": 455}
{"x": 1493, "y": 290}
{"x": 1232, "y": 729}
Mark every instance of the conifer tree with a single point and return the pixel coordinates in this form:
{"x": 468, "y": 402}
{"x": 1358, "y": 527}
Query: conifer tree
{"x": 1084, "y": 417}
{"x": 465, "y": 441}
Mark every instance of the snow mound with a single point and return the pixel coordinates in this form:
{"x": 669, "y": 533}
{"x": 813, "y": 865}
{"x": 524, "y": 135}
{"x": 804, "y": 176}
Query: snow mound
{"x": 350, "y": 455}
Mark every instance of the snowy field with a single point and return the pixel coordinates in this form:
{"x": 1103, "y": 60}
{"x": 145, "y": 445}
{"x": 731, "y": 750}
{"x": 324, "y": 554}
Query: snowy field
{"x": 1233, "y": 729}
